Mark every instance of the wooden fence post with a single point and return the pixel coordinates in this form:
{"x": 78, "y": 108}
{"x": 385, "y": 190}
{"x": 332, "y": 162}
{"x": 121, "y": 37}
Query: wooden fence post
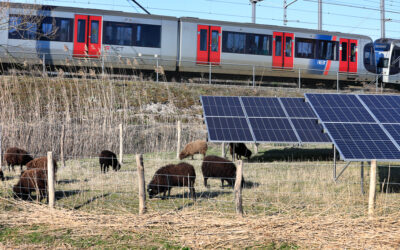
{"x": 50, "y": 179}
{"x": 62, "y": 159}
{"x": 121, "y": 143}
{"x": 223, "y": 149}
{"x": 178, "y": 146}
{"x": 238, "y": 188}
{"x": 372, "y": 189}
{"x": 141, "y": 182}
{"x": 255, "y": 148}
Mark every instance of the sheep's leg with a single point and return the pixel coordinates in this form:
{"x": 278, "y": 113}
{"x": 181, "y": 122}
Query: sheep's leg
{"x": 192, "y": 157}
{"x": 169, "y": 192}
{"x": 222, "y": 183}
{"x": 205, "y": 182}
{"x": 193, "y": 192}
{"x": 21, "y": 167}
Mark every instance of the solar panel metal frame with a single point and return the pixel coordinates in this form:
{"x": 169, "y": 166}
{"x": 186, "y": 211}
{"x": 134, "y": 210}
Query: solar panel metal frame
{"x": 376, "y": 121}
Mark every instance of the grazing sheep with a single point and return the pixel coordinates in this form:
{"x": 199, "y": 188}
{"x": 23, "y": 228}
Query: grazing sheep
{"x": 32, "y": 180}
{"x": 41, "y": 163}
{"x": 107, "y": 159}
{"x": 16, "y": 156}
{"x": 179, "y": 175}
{"x": 240, "y": 150}
{"x": 217, "y": 167}
{"x": 196, "y": 147}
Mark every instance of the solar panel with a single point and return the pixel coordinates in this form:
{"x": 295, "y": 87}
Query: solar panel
{"x": 356, "y": 141}
{"x": 310, "y": 131}
{"x": 263, "y": 107}
{"x": 273, "y": 130}
{"x": 394, "y": 131}
{"x": 339, "y": 108}
{"x": 230, "y": 129}
{"x": 298, "y": 108}
{"x": 385, "y": 108}
{"x": 222, "y": 106}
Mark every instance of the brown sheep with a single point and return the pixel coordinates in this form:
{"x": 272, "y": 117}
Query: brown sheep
{"x": 32, "y": 180}
{"x": 179, "y": 175}
{"x": 217, "y": 167}
{"x": 107, "y": 159}
{"x": 16, "y": 156}
{"x": 240, "y": 150}
{"x": 40, "y": 163}
{"x": 196, "y": 147}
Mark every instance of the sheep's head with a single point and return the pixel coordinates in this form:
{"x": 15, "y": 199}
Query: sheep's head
{"x": 248, "y": 154}
{"x": 182, "y": 155}
{"x": 152, "y": 190}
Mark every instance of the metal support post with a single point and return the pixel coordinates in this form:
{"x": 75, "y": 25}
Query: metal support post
{"x": 44, "y": 64}
{"x": 102, "y": 65}
{"x": 254, "y": 76}
{"x": 319, "y": 14}
{"x": 157, "y": 70}
{"x": 372, "y": 189}
{"x": 334, "y": 162}
{"x": 376, "y": 83}
{"x": 337, "y": 81}
{"x": 362, "y": 177}
{"x": 209, "y": 74}
{"x": 299, "y": 78}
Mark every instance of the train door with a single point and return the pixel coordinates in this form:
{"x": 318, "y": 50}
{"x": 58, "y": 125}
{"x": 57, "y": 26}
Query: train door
{"x": 208, "y": 44}
{"x": 348, "y": 55}
{"x": 282, "y": 50}
{"x": 87, "y": 37}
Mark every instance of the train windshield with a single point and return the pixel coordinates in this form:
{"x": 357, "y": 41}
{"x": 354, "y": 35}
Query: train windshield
{"x": 383, "y": 62}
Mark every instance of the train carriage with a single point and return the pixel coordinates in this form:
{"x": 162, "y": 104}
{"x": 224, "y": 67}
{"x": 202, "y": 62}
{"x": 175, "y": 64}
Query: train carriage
{"x": 66, "y": 36}
{"x": 387, "y": 53}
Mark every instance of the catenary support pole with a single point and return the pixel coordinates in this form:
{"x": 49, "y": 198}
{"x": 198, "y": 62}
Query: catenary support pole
{"x": 319, "y": 14}
{"x": 121, "y": 143}
{"x": 178, "y": 144}
{"x": 238, "y": 188}
{"x": 372, "y": 189}
{"x": 50, "y": 179}
{"x": 141, "y": 183}
{"x": 383, "y": 20}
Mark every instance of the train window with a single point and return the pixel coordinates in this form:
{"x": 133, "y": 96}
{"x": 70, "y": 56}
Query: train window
{"x": 116, "y": 33}
{"x": 22, "y": 27}
{"x": 214, "y": 41}
{"x": 147, "y": 35}
{"x": 94, "y": 32}
{"x": 327, "y": 50}
{"x": 344, "y": 51}
{"x": 394, "y": 62}
{"x": 353, "y": 48}
{"x": 305, "y": 48}
{"x": 64, "y": 32}
{"x": 369, "y": 57}
{"x": 278, "y": 46}
{"x": 233, "y": 42}
{"x": 81, "y": 31}
{"x": 288, "y": 47}
{"x": 258, "y": 44}
{"x": 203, "y": 40}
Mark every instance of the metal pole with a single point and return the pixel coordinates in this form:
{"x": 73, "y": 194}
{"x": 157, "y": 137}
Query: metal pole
{"x": 253, "y": 11}
{"x": 284, "y": 13}
{"x": 50, "y": 180}
{"x": 157, "y": 69}
{"x": 334, "y": 162}
{"x": 376, "y": 83}
{"x": 372, "y": 189}
{"x": 121, "y": 143}
{"x": 319, "y": 14}
{"x": 254, "y": 76}
{"x": 209, "y": 74}
{"x": 383, "y": 19}
{"x": 102, "y": 64}
{"x": 44, "y": 64}
{"x": 299, "y": 78}
{"x": 362, "y": 177}
{"x": 337, "y": 81}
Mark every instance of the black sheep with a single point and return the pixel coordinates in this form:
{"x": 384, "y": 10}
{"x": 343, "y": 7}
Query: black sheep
{"x": 32, "y": 180}
{"x": 16, "y": 156}
{"x": 240, "y": 150}
{"x": 107, "y": 159}
{"x": 217, "y": 167}
{"x": 1, "y": 175}
{"x": 179, "y": 175}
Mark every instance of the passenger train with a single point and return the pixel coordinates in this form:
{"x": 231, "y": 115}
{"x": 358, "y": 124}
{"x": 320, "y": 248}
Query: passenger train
{"x": 387, "y": 54}
{"x": 76, "y": 36}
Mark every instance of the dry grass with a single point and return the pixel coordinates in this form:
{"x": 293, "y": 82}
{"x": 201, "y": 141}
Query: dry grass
{"x": 202, "y": 230}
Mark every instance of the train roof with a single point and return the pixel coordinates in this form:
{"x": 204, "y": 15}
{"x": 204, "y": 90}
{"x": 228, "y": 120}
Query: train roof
{"x": 183, "y": 19}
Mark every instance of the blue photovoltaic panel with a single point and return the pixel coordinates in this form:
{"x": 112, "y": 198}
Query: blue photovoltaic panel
{"x": 222, "y": 106}
{"x": 272, "y": 130}
{"x": 339, "y": 108}
{"x": 358, "y": 141}
{"x": 385, "y": 108}
{"x": 230, "y": 129}
{"x": 310, "y": 131}
{"x": 298, "y": 108}
{"x": 394, "y": 131}
{"x": 263, "y": 107}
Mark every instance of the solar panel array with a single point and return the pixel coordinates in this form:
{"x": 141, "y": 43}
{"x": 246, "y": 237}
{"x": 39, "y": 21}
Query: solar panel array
{"x": 261, "y": 119}
{"x": 362, "y": 127}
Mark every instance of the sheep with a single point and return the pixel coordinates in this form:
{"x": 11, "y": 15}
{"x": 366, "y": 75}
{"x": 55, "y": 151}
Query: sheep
{"x": 217, "y": 167}
{"x": 16, "y": 156}
{"x": 1, "y": 175}
{"x": 32, "y": 180}
{"x": 108, "y": 158}
{"x": 40, "y": 163}
{"x": 196, "y": 147}
{"x": 240, "y": 150}
{"x": 179, "y": 175}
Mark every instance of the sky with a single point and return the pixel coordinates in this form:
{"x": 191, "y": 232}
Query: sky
{"x": 356, "y": 16}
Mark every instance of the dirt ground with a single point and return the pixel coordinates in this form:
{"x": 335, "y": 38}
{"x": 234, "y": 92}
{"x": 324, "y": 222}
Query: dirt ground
{"x": 26, "y": 225}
